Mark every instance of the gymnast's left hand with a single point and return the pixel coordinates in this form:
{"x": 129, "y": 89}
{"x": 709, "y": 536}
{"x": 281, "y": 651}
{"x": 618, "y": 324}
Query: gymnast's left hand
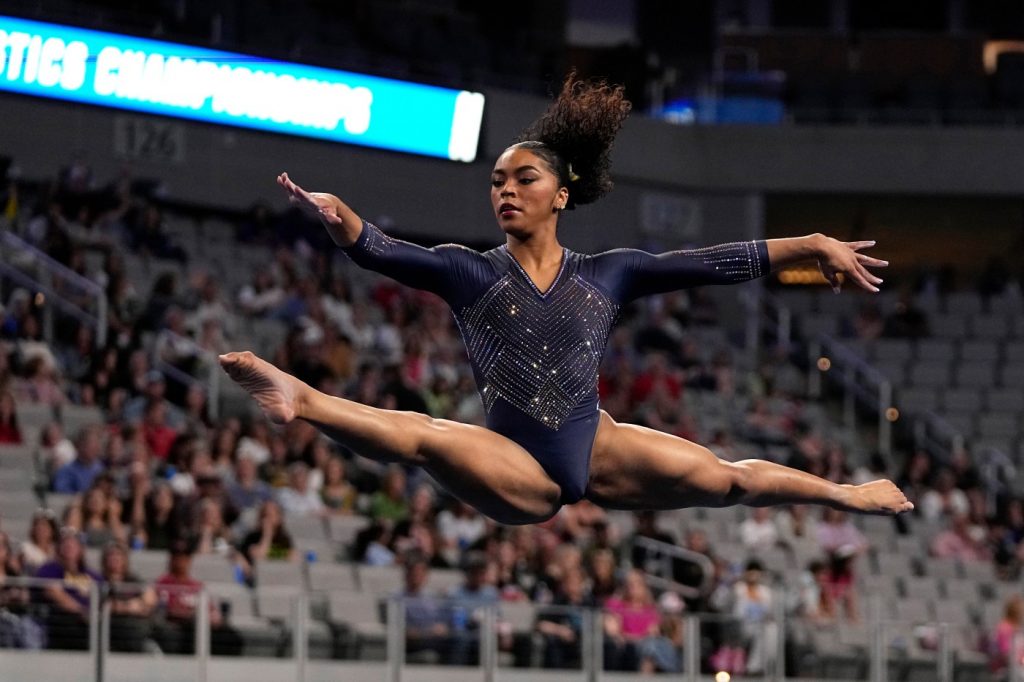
{"x": 837, "y": 258}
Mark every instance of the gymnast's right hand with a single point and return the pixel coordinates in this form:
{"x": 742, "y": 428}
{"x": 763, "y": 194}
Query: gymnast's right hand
{"x": 319, "y": 205}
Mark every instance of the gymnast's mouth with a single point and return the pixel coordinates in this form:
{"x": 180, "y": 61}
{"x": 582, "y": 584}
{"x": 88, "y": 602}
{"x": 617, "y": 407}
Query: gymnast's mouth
{"x": 507, "y": 210}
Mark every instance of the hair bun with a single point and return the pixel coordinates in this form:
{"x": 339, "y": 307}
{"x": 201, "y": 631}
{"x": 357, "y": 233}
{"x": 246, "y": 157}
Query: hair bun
{"x": 580, "y": 127}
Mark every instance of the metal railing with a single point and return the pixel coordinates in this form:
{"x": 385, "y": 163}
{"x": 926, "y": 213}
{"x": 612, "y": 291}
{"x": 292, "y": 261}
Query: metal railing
{"x": 861, "y": 383}
{"x": 208, "y": 363}
{"x": 28, "y": 267}
{"x": 659, "y": 566}
{"x": 489, "y": 637}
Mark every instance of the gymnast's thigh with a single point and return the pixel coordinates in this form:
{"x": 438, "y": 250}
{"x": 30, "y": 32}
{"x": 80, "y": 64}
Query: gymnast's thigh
{"x": 634, "y": 467}
{"x": 489, "y": 471}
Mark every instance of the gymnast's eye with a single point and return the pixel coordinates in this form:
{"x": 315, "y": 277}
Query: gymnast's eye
{"x": 497, "y": 182}
{"x": 526, "y": 181}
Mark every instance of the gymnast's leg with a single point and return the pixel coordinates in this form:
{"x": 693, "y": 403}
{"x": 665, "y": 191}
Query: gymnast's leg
{"x": 633, "y": 467}
{"x": 484, "y": 469}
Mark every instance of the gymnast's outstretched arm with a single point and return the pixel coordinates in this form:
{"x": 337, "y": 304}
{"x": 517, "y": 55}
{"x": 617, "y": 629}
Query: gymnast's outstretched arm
{"x": 630, "y": 273}
{"x": 452, "y": 272}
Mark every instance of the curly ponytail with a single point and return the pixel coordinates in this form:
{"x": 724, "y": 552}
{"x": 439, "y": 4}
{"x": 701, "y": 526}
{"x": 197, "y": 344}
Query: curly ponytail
{"x": 575, "y": 135}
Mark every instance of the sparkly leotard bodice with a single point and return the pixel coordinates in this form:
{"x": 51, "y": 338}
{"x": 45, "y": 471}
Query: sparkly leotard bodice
{"x": 535, "y": 355}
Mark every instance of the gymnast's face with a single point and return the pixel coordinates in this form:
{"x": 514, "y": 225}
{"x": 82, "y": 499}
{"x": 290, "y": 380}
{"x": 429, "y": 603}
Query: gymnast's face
{"x": 525, "y": 193}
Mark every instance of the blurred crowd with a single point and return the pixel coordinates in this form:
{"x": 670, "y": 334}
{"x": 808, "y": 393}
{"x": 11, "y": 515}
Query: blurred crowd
{"x": 159, "y": 473}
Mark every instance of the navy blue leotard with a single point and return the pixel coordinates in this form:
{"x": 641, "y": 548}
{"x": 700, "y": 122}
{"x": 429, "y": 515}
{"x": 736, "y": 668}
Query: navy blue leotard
{"x": 535, "y": 355}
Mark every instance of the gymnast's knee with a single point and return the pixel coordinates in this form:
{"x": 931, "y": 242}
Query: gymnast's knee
{"x": 740, "y": 482}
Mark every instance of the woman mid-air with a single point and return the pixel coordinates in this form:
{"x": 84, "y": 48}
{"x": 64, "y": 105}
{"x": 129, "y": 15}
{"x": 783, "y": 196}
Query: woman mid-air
{"x": 535, "y": 318}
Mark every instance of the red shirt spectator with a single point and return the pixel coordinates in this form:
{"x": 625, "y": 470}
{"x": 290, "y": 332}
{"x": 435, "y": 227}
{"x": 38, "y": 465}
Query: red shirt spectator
{"x": 9, "y": 431}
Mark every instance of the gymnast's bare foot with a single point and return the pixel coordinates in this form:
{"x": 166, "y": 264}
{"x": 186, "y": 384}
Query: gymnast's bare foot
{"x": 275, "y": 392}
{"x": 878, "y": 497}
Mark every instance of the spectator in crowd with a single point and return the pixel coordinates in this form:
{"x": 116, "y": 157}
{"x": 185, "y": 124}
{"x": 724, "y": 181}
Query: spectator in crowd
{"x": 561, "y": 624}
{"x": 158, "y": 435}
{"x": 758, "y": 531}
{"x": 55, "y": 451}
{"x": 68, "y": 593}
{"x": 960, "y": 541}
{"x": 460, "y": 527}
{"x": 246, "y": 490}
{"x": 178, "y": 596}
{"x": 630, "y": 618}
{"x": 156, "y": 517}
{"x": 603, "y": 581}
{"x": 18, "y": 629}
{"x": 78, "y": 476}
{"x": 262, "y": 296}
{"x": 223, "y": 446}
{"x": 868, "y": 324}
{"x": 338, "y": 495}
{"x": 836, "y": 531}
{"x": 839, "y": 581}
{"x": 299, "y": 497}
{"x": 372, "y": 545}
{"x": 390, "y": 502}
{"x": 816, "y": 598}
{"x": 754, "y": 604}
{"x": 40, "y": 383}
{"x": 270, "y": 541}
{"x": 468, "y": 601}
{"x": 916, "y": 476}
{"x": 10, "y": 432}
{"x": 944, "y": 500}
{"x": 797, "y": 528}
{"x": 427, "y": 617}
{"x": 1004, "y": 639}
{"x": 131, "y": 602}
{"x": 907, "y": 320}
{"x": 213, "y": 536}
{"x": 41, "y": 546}
{"x": 98, "y": 518}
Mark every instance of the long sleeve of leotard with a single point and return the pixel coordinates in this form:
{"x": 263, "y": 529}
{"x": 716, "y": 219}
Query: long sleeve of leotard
{"x": 451, "y": 271}
{"x": 629, "y": 273}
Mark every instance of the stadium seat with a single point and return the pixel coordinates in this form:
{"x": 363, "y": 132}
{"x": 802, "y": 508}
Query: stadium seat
{"x": 74, "y": 417}
{"x": 325, "y": 577}
{"x": 343, "y": 529}
{"x": 979, "y": 351}
{"x": 923, "y": 588}
{"x": 990, "y": 327}
{"x": 270, "y": 573}
{"x": 1005, "y": 400}
{"x": 935, "y": 350}
{"x": 442, "y": 580}
{"x": 952, "y": 326}
{"x": 975, "y": 374}
{"x": 930, "y": 374}
{"x": 380, "y": 579}
{"x": 916, "y": 400}
{"x": 33, "y": 415}
{"x": 149, "y": 564}
{"x": 965, "y": 400}
{"x": 360, "y": 614}
{"x": 213, "y": 568}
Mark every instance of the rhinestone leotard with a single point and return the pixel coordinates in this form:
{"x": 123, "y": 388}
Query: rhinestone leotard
{"x": 535, "y": 355}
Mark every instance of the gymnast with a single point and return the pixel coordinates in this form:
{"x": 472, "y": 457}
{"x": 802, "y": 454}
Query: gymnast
{"x": 535, "y": 318}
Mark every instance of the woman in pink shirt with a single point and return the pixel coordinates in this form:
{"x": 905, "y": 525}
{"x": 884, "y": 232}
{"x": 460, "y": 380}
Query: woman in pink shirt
{"x": 630, "y": 617}
{"x": 1002, "y": 639}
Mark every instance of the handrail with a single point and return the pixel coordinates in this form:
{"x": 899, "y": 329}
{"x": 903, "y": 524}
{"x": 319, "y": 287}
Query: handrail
{"x": 209, "y": 359}
{"x": 51, "y": 264}
{"x": 862, "y": 380}
{"x": 57, "y": 271}
{"x": 667, "y": 551}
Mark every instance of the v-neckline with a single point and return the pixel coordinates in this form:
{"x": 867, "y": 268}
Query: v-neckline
{"x": 526, "y": 275}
